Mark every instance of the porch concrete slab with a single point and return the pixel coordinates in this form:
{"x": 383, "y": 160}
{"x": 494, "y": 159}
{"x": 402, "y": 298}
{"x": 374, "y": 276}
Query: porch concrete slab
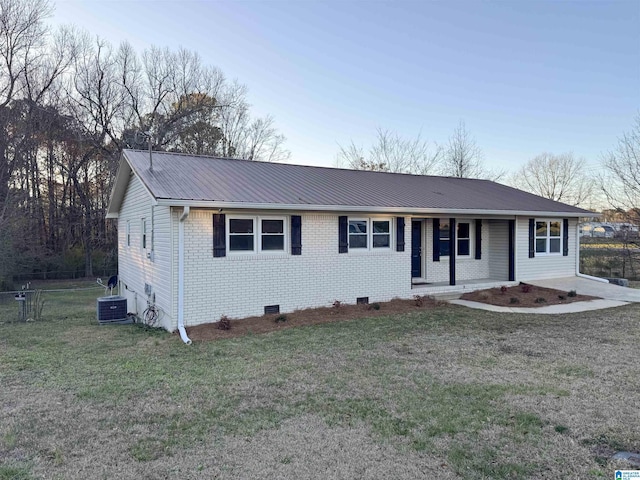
{"x": 549, "y": 309}
{"x": 585, "y": 286}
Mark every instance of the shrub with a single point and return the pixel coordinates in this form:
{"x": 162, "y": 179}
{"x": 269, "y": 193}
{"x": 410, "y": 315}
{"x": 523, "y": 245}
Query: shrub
{"x": 374, "y": 306}
{"x": 280, "y": 318}
{"x": 224, "y": 323}
{"x": 419, "y": 300}
{"x": 337, "y": 304}
{"x": 541, "y": 300}
{"x": 562, "y": 297}
{"x": 526, "y": 288}
{"x": 514, "y": 300}
{"x": 572, "y": 293}
{"x": 503, "y": 289}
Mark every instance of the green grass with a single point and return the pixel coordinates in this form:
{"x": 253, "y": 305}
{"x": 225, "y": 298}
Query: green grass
{"x": 456, "y": 385}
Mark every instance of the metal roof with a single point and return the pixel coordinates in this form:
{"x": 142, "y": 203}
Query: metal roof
{"x": 179, "y": 179}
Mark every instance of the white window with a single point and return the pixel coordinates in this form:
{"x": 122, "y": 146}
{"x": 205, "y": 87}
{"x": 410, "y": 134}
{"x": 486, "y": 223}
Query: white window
{"x": 549, "y": 237}
{"x": 381, "y": 232}
{"x": 463, "y": 239}
{"x": 369, "y": 234}
{"x": 143, "y": 229}
{"x": 272, "y": 237}
{"x": 128, "y": 234}
{"x": 256, "y": 234}
{"x": 358, "y": 233}
{"x": 242, "y": 234}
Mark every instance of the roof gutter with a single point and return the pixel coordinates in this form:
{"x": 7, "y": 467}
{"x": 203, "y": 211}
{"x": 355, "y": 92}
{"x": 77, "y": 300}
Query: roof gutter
{"x": 183, "y": 333}
{"x": 367, "y": 209}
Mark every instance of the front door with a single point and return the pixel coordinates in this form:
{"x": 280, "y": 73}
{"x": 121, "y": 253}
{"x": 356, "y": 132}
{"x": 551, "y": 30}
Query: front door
{"x": 416, "y": 248}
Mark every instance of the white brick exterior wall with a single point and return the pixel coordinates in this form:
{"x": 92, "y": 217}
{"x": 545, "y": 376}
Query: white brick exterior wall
{"x": 240, "y": 285}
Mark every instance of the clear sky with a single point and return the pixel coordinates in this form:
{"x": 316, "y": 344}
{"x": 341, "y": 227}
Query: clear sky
{"x": 526, "y": 76}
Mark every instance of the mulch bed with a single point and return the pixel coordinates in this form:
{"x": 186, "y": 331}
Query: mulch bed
{"x": 524, "y": 295}
{"x": 311, "y": 316}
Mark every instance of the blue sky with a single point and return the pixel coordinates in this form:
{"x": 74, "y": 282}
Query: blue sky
{"x": 526, "y": 76}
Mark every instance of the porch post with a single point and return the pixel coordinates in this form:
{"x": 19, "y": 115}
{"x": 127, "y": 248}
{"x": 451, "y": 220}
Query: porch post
{"x": 452, "y": 251}
{"x": 512, "y": 250}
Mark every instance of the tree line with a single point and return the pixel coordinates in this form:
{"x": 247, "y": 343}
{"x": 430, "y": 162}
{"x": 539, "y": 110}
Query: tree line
{"x": 69, "y": 104}
{"x": 561, "y": 177}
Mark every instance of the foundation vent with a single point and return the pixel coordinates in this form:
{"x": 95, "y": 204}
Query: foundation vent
{"x": 270, "y": 309}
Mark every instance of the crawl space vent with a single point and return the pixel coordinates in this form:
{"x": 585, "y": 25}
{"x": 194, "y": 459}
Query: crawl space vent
{"x": 362, "y": 300}
{"x": 269, "y": 309}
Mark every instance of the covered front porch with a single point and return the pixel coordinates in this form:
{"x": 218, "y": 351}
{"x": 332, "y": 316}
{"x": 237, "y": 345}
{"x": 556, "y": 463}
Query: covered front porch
{"x": 462, "y": 254}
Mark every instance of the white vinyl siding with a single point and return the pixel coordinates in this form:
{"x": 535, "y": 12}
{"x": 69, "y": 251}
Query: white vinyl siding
{"x": 497, "y": 249}
{"x": 134, "y": 268}
{"x": 543, "y": 266}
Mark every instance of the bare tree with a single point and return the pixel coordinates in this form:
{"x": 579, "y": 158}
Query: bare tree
{"x": 392, "y": 153}
{"x": 250, "y": 139}
{"x": 621, "y": 181}
{"x": 23, "y": 35}
{"x": 464, "y": 158}
{"x": 558, "y": 177}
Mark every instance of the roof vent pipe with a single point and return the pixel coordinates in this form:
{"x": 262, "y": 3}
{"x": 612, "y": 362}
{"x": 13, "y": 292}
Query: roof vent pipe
{"x": 150, "y": 154}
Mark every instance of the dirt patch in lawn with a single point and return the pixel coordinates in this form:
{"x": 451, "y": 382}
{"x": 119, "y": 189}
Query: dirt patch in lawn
{"x": 312, "y": 316}
{"x": 525, "y": 295}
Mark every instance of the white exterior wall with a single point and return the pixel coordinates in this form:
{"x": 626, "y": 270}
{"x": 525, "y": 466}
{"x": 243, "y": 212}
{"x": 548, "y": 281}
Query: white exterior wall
{"x": 467, "y": 268}
{"x": 240, "y": 285}
{"x": 134, "y": 268}
{"x": 498, "y": 249}
{"x": 543, "y": 266}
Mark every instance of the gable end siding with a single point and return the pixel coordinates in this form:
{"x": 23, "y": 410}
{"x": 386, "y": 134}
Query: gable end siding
{"x": 544, "y": 266}
{"x": 134, "y": 268}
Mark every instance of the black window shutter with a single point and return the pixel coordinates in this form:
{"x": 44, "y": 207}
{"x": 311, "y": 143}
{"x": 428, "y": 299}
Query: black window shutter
{"x": 399, "y": 234}
{"x": 219, "y": 235}
{"x": 343, "y": 241}
{"x": 478, "y": 239}
{"x": 296, "y": 235}
{"x": 565, "y": 237}
{"x": 436, "y": 239}
{"x": 532, "y": 237}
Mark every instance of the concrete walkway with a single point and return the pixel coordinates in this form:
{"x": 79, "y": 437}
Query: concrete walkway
{"x": 610, "y": 296}
{"x": 548, "y": 310}
{"x": 594, "y": 288}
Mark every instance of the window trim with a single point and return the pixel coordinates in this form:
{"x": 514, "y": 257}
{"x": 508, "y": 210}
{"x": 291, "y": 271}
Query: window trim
{"x": 370, "y": 234}
{"x": 548, "y": 237}
{"x": 458, "y": 238}
{"x": 388, "y": 234}
{"x": 257, "y": 234}
{"x": 285, "y": 237}
{"x": 367, "y": 234}
{"x": 471, "y": 238}
{"x": 143, "y": 235}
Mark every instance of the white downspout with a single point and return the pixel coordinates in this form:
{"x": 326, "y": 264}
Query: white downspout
{"x": 183, "y": 333}
{"x": 578, "y": 274}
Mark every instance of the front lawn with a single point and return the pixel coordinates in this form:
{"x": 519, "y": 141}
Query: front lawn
{"x": 447, "y": 392}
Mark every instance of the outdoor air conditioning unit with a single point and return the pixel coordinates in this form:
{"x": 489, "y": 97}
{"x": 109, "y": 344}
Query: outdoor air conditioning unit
{"x": 112, "y": 309}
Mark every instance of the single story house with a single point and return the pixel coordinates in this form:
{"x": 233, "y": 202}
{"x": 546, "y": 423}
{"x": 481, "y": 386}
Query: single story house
{"x": 201, "y": 237}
